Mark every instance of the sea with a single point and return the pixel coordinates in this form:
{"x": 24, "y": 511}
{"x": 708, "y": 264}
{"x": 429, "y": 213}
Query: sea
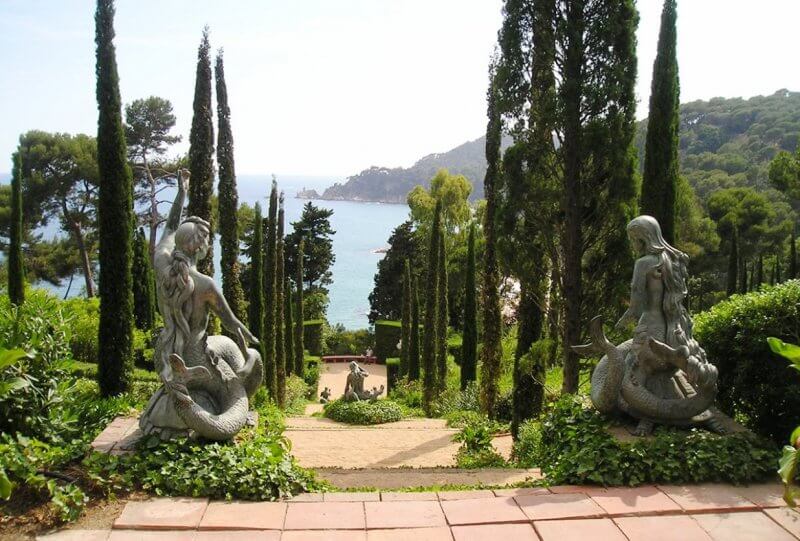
{"x": 362, "y": 232}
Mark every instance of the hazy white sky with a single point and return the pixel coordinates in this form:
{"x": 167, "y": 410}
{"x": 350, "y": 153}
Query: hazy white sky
{"x": 330, "y": 87}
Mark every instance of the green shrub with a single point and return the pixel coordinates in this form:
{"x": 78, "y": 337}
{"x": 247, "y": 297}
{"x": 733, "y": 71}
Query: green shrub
{"x": 311, "y": 373}
{"x": 364, "y": 412}
{"x": 465, "y": 418}
{"x": 575, "y": 447}
{"x": 408, "y": 393}
{"x": 297, "y": 394}
{"x": 476, "y": 449}
{"x": 340, "y": 341}
{"x": 387, "y": 335}
{"x": 392, "y": 373}
{"x": 527, "y": 448}
{"x": 755, "y": 384}
{"x": 312, "y": 336}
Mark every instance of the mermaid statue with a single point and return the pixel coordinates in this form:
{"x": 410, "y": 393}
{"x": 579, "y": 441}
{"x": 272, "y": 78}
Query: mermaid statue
{"x": 207, "y": 380}
{"x": 661, "y": 375}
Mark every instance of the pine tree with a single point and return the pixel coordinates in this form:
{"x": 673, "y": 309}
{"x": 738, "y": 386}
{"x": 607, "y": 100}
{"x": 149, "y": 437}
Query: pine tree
{"x": 469, "y": 344}
{"x": 742, "y": 274}
{"x": 661, "y": 167}
{"x": 792, "y": 257}
{"x": 733, "y": 263}
{"x": 431, "y": 301}
{"x": 778, "y": 277}
{"x": 772, "y": 272}
{"x": 228, "y": 199}
{"x": 256, "y": 294}
{"x": 201, "y": 150}
{"x": 414, "y": 342}
{"x": 405, "y": 320}
{"x": 144, "y": 285}
{"x": 115, "y": 217}
{"x": 299, "y": 346}
{"x": 759, "y": 272}
{"x": 270, "y": 309}
{"x": 491, "y": 353}
{"x": 280, "y": 354}
{"x": 288, "y": 328}
{"x": 16, "y": 268}
{"x": 441, "y": 317}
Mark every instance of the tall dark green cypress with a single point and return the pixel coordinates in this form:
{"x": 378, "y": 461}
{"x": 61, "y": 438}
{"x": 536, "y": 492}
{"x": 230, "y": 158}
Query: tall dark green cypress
{"x": 299, "y": 346}
{"x": 115, "y": 217}
{"x": 469, "y": 344}
{"x": 201, "y": 149}
{"x": 288, "y": 327}
{"x": 280, "y": 353}
{"x": 405, "y": 320}
{"x": 492, "y": 352}
{"x": 733, "y": 263}
{"x": 270, "y": 309}
{"x": 792, "y": 256}
{"x": 228, "y": 199}
{"x": 414, "y": 341}
{"x": 256, "y": 308}
{"x": 661, "y": 167}
{"x": 529, "y": 372}
{"x": 16, "y": 268}
{"x": 759, "y": 272}
{"x": 441, "y": 317}
{"x": 144, "y": 285}
{"x": 431, "y": 305}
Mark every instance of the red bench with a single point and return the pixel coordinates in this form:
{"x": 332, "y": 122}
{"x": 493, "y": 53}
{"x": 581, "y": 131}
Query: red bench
{"x": 349, "y": 358}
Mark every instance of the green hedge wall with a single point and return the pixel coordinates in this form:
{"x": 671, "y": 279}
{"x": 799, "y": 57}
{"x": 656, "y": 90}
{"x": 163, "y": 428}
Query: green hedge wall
{"x": 392, "y": 373}
{"x": 754, "y": 383}
{"x": 312, "y": 336}
{"x": 454, "y": 343}
{"x": 387, "y": 335}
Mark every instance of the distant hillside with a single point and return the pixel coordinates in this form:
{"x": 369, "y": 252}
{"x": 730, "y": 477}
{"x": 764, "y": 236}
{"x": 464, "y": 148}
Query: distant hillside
{"x": 392, "y": 185}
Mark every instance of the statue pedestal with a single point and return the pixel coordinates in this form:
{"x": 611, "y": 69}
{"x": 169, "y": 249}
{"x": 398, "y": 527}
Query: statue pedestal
{"x": 623, "y": 433}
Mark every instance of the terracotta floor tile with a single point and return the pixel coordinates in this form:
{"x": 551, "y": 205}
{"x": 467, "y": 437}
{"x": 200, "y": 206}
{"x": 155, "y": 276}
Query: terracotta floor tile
{"x": 465, "y": 494}
{"x": 244, "y": 516}
{"x": 788, "y": 518}
{"x": 748, "y": 526}
{"x": 709, "y": 497}
{"x": 162, "y": 514}
{"x": 324, "y": 535}
{"x": 764, "y": 495}
{"x": 413, "y": 514}
{"x": 307, "y": 497}
{"x": 495, "y": 532}
{"x": 325, "y": 515}
{"x": 138, "y": 535}
{"x": 76, "y": 535}
{"x": 352, "y": 496}
{"x": 635, "y": 501}
{"x": 577, "y": 489}
{"x": 238, "y": 535}
{"x": 413, "y": 534}
{"x": 662, "y": 528}
{"x": 483, "y": 511}
{"x": 557, "y": 506}
{"x": 596, "y": 529}
{"x": 511, "y": 492}
{"x": 408, "y": 496}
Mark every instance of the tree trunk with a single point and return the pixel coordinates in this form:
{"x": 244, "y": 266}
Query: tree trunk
{"x": 80, "y": 240}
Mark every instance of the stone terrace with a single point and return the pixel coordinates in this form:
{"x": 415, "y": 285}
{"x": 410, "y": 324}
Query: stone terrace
{"x": 562, "y": 513}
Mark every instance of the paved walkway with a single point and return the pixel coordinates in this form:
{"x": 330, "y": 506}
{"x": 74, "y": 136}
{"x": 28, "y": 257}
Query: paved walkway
{"x": 663, "y": 513}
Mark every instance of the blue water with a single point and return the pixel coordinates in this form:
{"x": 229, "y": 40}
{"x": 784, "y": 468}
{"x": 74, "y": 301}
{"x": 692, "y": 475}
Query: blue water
{"x": 360, "y": 229}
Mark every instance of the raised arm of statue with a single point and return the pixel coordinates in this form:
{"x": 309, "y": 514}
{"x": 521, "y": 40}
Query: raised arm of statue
{"x": 220, "y": 306}
{"x": 175, "y": 213}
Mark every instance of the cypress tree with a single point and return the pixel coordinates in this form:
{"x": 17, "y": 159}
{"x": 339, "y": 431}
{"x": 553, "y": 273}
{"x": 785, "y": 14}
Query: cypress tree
{"x": 16, "y": 269}
{"x": 772, "y": 272}
{"x": 792, "y": 257}
{"x": 288, "y": 327}
{"x": 742, "y": 274}
{"x": 469, "y": 343}
{"x": 431, "y": 302}
{"x": 778, "y": 278}
{"x": 201, "y": 150}
{"x": 280, "y": 355}
{"x": 528, "y": 375}
{"x": 441, "y": 317}
{"x": 733, "y": 263}
{"x": 299, "y": 346}
{"x": 414, "y": 341}
{"x": 228, "y": 199}
{"x": 256, "y": 313}
{"x": 115, "y": 217}
{"x": 491, "y": 353}
{"x": 405, "y": 320}
{"x": 144, "y": 292}
{"x": 270, "y": 309}
{"x": 660, "y": 179}
{"x": 759, "y": 272}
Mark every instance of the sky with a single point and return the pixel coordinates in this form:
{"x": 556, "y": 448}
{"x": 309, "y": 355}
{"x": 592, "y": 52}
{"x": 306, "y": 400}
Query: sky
{"x": 331, "y": 87}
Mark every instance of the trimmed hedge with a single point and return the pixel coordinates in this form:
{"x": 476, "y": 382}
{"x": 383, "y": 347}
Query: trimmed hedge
{"x": 575, "y": 447}
{"x": 392, "y": 373}
{"x": 756, "y": 385}
{"x": 454, "y": 343}
{"x": 364, "y": 412}
{"x": 312, "y": 336}
{"x": 387, "y": 335}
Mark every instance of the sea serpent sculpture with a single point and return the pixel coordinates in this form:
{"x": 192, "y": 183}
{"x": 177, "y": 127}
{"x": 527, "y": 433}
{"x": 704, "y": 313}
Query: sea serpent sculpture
{"x": 661, "y": 375}
{"x": 207, "y": 380}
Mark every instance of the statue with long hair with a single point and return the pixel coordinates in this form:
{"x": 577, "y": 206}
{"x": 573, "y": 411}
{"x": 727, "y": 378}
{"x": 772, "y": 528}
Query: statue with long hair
{"x": 207, "y": 380}
{"x": 661, "y": 375}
